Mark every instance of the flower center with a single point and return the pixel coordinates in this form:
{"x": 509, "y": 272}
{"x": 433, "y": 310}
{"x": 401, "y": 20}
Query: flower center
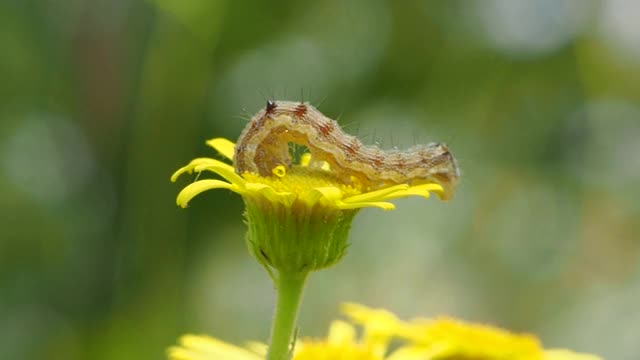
{"x": 302, "y": 180}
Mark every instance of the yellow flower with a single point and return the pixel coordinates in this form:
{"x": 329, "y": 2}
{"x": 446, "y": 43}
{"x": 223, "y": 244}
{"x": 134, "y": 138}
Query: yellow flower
{"x": 298, "y": 218}
{"x": 341, "y": 343}
{"x": 452, "y": 339}
{"x": 303, "y": 184}
{"x": 440, "y": 339}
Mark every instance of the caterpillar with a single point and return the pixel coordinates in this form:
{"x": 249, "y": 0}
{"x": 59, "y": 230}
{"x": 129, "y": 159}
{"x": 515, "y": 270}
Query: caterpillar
{"x": 264, "y": 145}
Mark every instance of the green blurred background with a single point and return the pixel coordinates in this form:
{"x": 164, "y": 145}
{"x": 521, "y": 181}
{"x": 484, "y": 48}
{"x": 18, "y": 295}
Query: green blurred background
{"x": 100, "y": 101}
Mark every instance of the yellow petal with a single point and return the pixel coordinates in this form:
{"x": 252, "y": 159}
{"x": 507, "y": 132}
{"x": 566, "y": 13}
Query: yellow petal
{"x": 411, "y": 353}
{"x": 257, "y": 348}
{"x": 387, "y": 206}
{"x": 379, "y": 325}
{"x": 206, "y": 348}
{"x": 225, "y": 147}
{"x": 193, "y": 189}
{"x": 178, "y": 353}
{"x": 334, "y": 195}
{"x": 305, "y": 159}
{"x": 453, "y": 338}
{"x": 225, "y": 170}
{"x": 341, "y": 332}
{"x": 368, "y": 317}
{"x": 185, "y": 169}
{"x": 562, "y": 354}
{"x": 376, "y": 195}
{"x": 286, "y": 198}
{"x": 331, "y": 193}
{"x": 202, "y": 164}
{"x": 418, "y": 190}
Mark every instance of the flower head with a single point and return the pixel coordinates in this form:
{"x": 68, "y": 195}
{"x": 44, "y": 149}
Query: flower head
{"x": 439, "y": 339}
{"x": 300, "y": 216}
{"x": 303, "y": 183}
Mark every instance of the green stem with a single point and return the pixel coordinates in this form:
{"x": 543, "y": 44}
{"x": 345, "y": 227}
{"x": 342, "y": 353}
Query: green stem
{"x": 289, "y": 287}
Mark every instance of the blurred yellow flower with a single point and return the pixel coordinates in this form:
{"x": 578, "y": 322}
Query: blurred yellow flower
{"x": 439, "y": 339}
{"x": 452, "y": 339}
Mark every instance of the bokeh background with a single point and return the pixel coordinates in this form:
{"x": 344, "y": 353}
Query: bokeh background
{"x": 100, "y": 101}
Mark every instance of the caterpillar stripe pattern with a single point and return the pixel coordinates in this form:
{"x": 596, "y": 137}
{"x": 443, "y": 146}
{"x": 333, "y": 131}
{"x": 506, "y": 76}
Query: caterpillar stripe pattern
{"x": 264, "y": 144}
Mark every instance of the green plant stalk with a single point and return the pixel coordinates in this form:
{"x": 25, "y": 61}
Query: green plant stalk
{"x": 290, "y": 287}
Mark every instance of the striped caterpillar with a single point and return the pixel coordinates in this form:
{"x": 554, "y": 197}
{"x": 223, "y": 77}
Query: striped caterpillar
{"x": 264, "y": 144}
